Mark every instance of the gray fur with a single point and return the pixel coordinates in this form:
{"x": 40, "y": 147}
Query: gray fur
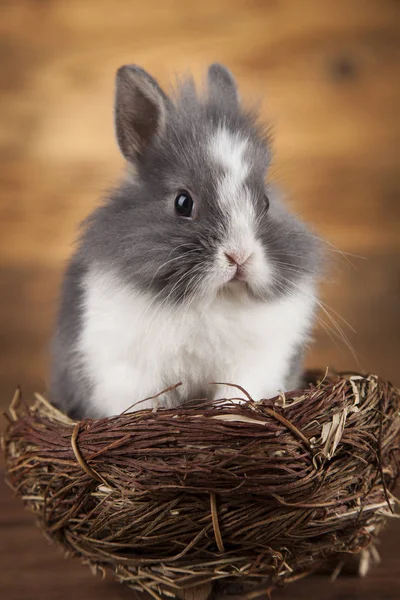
{"x": 221, "y": 85}
{"x": 66, "y": 368}
{"x": 135, "y": 230}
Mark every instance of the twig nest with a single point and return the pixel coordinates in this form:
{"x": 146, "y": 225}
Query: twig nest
{"x": 172, "y": 499}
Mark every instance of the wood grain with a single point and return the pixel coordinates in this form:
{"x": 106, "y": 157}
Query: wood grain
{"x": 327, "y": 73}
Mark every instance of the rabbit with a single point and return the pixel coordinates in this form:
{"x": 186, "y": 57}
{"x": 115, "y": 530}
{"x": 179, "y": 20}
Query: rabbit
{"x": 192, "y": 270}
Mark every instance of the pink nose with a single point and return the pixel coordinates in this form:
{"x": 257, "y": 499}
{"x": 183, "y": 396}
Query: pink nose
{"x": 236, "y": 259}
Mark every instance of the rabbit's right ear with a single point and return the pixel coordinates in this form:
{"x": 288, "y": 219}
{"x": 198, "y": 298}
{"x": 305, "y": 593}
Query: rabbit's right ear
{"x": 140, "y": 111}
{"x": 222, "y": 85}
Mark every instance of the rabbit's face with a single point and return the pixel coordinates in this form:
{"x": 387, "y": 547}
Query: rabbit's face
{"x": 199, "y": 220}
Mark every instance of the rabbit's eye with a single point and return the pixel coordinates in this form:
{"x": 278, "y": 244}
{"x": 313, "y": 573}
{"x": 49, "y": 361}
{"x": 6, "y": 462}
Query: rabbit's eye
{"x": 184, "y": 204}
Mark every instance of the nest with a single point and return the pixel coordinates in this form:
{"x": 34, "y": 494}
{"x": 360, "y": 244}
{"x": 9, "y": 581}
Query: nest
{"x": 256, "y": 493}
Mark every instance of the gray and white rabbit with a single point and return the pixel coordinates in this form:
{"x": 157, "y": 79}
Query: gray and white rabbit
{"x": 192, "y": 270}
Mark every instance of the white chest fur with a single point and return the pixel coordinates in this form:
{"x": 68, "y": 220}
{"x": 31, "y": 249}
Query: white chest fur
{"x": 132, "y": 349}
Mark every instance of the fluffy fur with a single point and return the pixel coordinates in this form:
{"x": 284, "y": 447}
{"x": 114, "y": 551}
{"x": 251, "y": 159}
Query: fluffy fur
{"x": 151, "y": 298}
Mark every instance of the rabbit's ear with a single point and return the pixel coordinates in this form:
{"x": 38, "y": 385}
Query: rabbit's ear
{"x": 140, "y": 111}
{"x": 222, "y": 85}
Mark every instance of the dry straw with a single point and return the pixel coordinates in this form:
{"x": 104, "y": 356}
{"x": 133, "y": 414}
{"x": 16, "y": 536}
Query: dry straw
{"x": 257, "y": 493}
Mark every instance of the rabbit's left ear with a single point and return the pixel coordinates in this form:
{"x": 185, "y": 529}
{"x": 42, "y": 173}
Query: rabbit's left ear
{"x": 222, "y": 85}
{"x": 140, "y": 111}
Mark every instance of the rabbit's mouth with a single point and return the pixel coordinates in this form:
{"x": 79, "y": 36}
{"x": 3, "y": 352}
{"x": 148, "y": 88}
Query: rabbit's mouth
{"x": 240, "y": 274}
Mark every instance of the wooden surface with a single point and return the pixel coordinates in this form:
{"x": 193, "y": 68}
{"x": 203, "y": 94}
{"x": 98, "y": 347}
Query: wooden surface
{"x": 328, "y": 72}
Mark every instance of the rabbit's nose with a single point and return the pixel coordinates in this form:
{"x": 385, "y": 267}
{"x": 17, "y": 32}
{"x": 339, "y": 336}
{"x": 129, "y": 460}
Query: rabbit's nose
{"x": 239, "y": 261}
{"x": 234, "y": 258}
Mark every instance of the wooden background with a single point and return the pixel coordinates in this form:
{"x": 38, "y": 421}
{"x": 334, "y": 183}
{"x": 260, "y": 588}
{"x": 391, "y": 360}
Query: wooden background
{"x": 329, "y": 75}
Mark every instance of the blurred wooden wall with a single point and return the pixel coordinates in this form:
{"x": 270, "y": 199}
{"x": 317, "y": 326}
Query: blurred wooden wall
{"x": 328, "y": 72}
